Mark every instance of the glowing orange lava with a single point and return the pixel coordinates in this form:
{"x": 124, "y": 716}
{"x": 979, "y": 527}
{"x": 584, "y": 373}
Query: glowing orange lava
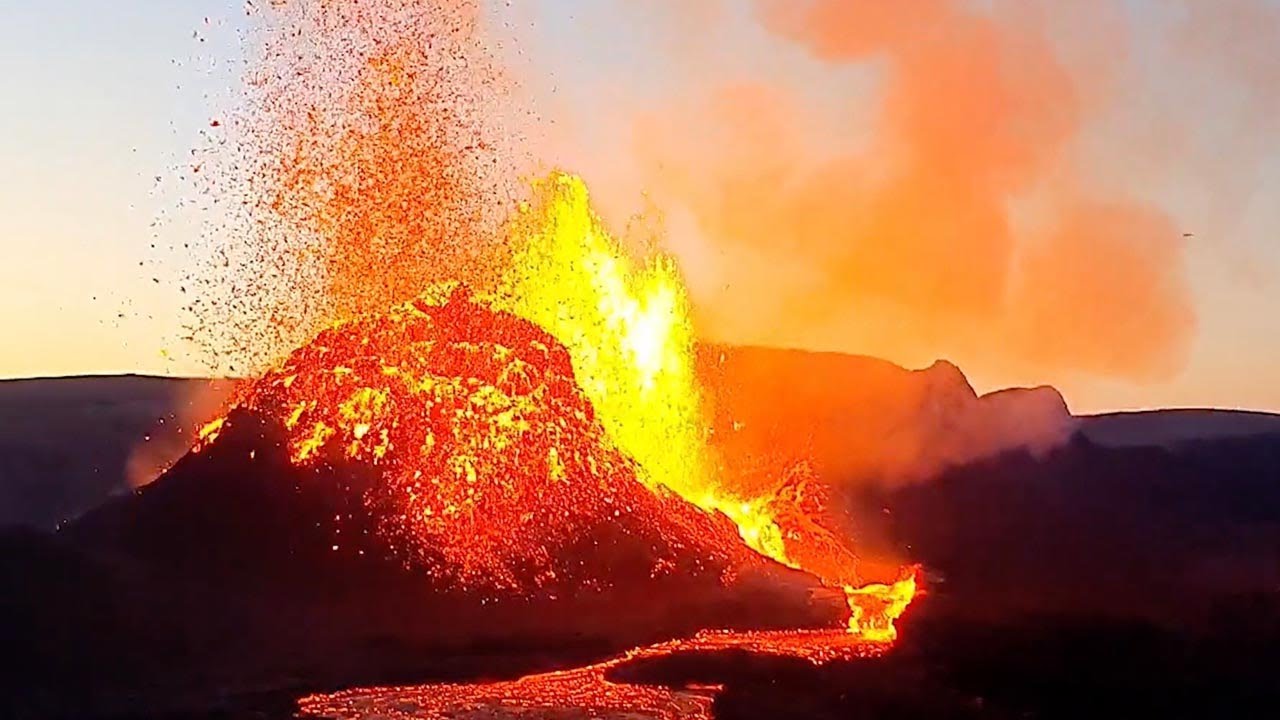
{"x": 588, "y": 691}
{"x": 503, "y": 426}
{"x": 490, "y": 462}
{"x": 627, "y": 328}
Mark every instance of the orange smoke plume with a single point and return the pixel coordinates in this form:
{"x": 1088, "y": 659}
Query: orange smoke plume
{"x": 954, "y": 221}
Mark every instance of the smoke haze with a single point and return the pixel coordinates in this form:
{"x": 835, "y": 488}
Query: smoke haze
{"x": 935, "y": 179}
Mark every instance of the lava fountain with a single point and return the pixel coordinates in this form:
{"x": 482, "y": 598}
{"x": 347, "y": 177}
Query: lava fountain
{"x": 503, "y": 424}
{"x": 513, "y": 390}
{"x": 627, "y": 327}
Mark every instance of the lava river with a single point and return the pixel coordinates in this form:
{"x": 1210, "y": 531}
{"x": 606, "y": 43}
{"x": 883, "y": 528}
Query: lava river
{"x": 588, "y": 692}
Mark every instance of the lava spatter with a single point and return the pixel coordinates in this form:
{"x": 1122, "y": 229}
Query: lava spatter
{"x": 369, "y": 153}
{"x": 490, "y": 461}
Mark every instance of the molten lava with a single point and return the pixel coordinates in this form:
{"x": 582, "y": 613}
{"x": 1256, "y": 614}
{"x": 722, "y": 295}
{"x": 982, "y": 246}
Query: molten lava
{"x": 504, "y": 426}
{"x": 490, "y": 461}
{"x": 627, "y": 327}
{"x": 589, "y": 691}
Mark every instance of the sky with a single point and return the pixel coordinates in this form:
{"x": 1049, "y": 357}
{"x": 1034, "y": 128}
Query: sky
{"x": 103, "y": 103}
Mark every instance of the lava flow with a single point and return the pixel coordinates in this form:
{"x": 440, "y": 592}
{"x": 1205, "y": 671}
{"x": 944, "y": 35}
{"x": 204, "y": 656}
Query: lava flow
{"x": 591, "y": 691}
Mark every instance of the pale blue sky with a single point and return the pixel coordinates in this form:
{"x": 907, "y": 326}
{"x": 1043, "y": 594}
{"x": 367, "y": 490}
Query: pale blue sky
{"x": 101, "y": 98}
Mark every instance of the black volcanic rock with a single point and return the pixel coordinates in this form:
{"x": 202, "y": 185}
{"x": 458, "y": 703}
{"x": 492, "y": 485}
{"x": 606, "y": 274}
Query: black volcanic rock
{"x": 238, "y": 510}
{"x": 1049, "y": 571}
{"x": 1170, "y": 428}
{"x": 1152, "y": 532}
{"x": 68, "y": 443}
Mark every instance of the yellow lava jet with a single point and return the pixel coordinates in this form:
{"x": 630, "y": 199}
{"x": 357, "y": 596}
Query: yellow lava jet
{"x": 628, "y": 330}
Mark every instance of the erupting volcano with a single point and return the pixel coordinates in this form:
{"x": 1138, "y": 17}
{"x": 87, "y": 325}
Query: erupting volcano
{"x": 505, "y": 390}
{"x": 503, "y": 430}
{"x": 638, "y": 360}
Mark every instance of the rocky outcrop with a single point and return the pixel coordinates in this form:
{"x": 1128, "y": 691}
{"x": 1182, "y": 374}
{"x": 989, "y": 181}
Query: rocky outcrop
{"x": 866, "y": 420}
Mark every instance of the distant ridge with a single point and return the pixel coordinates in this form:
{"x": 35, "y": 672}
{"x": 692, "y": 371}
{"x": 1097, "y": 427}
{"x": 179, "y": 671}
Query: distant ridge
{"x": 66, "y": 442}
{"x": 865, "y": 420}
{"x": 1174, "y": 426}
{"x": 77, "y": 377}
